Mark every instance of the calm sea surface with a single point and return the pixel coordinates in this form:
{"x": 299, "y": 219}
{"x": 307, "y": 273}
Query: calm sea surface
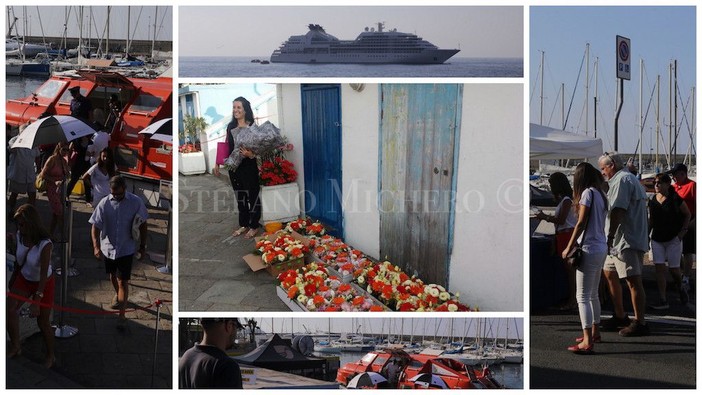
{"x": 241, "y": 66}
{"x": 510, "y": 375}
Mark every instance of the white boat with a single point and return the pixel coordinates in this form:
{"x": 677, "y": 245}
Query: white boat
{"x": 370, "y": 47}
{"x": 18, "y": 67}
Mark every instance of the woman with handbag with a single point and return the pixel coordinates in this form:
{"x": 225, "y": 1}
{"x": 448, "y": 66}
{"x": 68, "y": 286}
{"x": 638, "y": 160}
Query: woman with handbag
{"x": 32, "y": 279}
{"x": 564, "y": 220}
{"x": 587, "y": 250}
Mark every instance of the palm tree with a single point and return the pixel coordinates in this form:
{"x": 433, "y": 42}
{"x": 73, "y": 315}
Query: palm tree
{"x": 192, "y": 127}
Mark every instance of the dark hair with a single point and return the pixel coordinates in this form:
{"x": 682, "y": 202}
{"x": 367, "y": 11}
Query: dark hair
{"x": 34, "y": 230}
{"x": 118, "y": 182}
{"x": 560, "y": 186}
{"x": 109, "y": 163}
{"x": 586, "y": 176}
{"x": 663, "y": 177}
{"x": 209, "y": 323}
{"x": 248, "y": 112}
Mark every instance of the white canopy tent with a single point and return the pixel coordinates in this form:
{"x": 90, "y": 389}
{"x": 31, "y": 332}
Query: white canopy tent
{"x": 548, "y": 143}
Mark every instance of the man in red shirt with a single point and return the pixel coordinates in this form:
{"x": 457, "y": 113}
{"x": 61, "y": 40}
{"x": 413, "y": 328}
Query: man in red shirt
{"x": 686, "y": 189}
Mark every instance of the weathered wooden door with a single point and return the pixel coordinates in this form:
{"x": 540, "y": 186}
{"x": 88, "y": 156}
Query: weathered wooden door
{"x": 420, "y": 125}
{"x": 321, "y": 138}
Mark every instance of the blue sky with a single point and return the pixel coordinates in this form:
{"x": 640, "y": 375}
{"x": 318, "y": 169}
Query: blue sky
{"x": 658, "y": 35}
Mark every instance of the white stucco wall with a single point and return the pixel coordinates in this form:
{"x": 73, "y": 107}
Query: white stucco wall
{"x": 360, "y": 120}
{"x": 487, "y": 262}
{"x": 290, "y": 117}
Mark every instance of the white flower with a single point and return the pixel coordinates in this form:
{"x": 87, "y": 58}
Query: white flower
{"x": 444, "y": 296}
{"x": 310, "y": 305}
{"x": 281, "y": 257}
{"x": 302, "y": 299}
{"x": 361, "y": 279}
{"x": 434, "y": 292}
{"x": 452, "y": 307}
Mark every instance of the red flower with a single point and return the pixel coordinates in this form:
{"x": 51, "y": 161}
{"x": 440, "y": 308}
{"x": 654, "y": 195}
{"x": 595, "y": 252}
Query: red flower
{"x": 406, "y": 307}
{"x": 310, "y": 289}
{"x": 376, "y": 308}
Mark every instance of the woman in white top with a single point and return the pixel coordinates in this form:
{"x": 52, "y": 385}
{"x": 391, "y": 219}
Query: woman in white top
{"x": 564, "y": 219}
{"x": 97, "y": 178}
{"x": 31, "y": 279}
{"x": 591, "y": 205}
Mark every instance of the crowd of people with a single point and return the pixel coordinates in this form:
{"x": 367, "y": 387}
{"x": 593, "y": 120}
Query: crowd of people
{"x": 609, "y": 218}
{"x": 118, "y": 220}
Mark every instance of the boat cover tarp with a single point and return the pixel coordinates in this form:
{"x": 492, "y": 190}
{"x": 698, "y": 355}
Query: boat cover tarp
{"x": 549, "y": 143}
{"x": 277, "y": 354}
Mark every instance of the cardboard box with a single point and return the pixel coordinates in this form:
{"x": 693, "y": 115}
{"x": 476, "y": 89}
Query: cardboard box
{"x": 256, "y": 263}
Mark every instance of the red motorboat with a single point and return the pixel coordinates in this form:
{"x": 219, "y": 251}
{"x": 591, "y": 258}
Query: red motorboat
{"x": 418, "y": 371}
{"x": 143, "y": 101}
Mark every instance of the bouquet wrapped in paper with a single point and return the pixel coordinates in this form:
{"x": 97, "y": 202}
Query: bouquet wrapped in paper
{"x": 259, "y": 139}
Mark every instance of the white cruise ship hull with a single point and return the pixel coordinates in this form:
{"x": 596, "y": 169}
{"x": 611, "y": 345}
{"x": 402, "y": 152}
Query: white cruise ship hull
{"x": 426, "y": 57}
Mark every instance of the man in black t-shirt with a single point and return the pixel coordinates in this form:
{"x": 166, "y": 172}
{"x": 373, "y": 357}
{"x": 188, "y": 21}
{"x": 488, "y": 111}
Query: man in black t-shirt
{"x": 206, "y": 365}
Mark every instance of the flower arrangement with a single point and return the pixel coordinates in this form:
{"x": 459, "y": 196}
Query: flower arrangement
{"x": 401, "y": 292}
{"x": 306, "y": 226}
{"x": 277, "y": 171}
{"x": 283, "y": 248}
{"x": 314, "y": 288}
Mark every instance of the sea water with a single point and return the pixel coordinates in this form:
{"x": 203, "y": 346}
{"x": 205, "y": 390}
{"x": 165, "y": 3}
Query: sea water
{"x": 21, "y": 87}
{"x": 242, "y": 67}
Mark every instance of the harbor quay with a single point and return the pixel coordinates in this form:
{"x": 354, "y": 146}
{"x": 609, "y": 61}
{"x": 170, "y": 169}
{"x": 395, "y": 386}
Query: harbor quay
{"x": 100, "y": 356}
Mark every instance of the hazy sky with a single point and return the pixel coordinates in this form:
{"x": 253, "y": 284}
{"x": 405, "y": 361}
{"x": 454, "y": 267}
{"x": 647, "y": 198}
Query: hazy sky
{"x": 658, "y": 35}
{"x": 257, "y": 31}
{"x": 52, "y": 19}
{"x": 461, "y": 326}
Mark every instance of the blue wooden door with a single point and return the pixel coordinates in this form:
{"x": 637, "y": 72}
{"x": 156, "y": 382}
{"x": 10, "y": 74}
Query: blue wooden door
{"x": 321, "y": 138}
{"x": 419, "y": 131}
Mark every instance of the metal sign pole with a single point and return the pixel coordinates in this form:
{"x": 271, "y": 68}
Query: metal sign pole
{"x": 158, "y": 320}
{"x": 64, "y": 331}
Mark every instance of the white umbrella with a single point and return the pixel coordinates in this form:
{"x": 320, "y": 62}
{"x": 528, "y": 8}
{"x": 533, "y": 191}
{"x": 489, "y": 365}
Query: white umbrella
{"x": 427, "y": 380}
{"x": 52, "y": 130}
{"x": 161, "y": 130}
{"x": 366, "y": 379}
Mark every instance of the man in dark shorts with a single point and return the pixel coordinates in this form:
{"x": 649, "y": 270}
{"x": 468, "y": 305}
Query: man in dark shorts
{"x": 687, "y": 190}
{"x": 206, "y": 365}
{"x": 112, "y": 236}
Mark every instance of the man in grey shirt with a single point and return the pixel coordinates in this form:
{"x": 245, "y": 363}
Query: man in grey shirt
{"x": 627, "y": 238}
{"x": 112, "y": 236}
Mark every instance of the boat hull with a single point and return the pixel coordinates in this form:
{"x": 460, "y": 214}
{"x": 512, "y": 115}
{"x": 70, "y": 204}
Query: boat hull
{"x": 437, "y": 56}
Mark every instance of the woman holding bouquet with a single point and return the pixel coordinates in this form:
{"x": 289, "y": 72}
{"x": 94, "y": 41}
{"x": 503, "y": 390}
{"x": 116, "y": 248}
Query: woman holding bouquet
{"x": 245, "y": 177}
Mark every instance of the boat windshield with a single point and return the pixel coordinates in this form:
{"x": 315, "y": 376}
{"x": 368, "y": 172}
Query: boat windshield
{"x": 66, "y": 96}
{"x": 368, "y": 358}
{"x": 50, "y": 89}
{"x": 379, "y": 361}
{"x": 146, "y": 102}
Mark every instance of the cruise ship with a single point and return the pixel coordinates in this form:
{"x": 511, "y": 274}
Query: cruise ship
{"x": 374, "y": 46}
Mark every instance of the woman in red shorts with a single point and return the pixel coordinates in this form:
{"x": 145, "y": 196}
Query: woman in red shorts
{"x": 31, "y": 278}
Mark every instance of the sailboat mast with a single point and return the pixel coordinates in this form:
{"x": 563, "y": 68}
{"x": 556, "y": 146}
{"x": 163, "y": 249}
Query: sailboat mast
{"x": 658, "y": 119}
{"x": 587, "y": 86}
{"x": 563, "y": 125}
{"x": 670, "y": 113}
{"x": 641, "y": 126}
{"x": 675, "y": 115}
{"x": 107, "y": 42}
{"x": 153, "y": 40}
{"x": 129, "y": 24}
{"x": 541, "y": 97}
{"x": 597, "y": 67}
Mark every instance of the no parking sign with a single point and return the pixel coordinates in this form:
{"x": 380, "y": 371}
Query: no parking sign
{"x": 623, "y": 58}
